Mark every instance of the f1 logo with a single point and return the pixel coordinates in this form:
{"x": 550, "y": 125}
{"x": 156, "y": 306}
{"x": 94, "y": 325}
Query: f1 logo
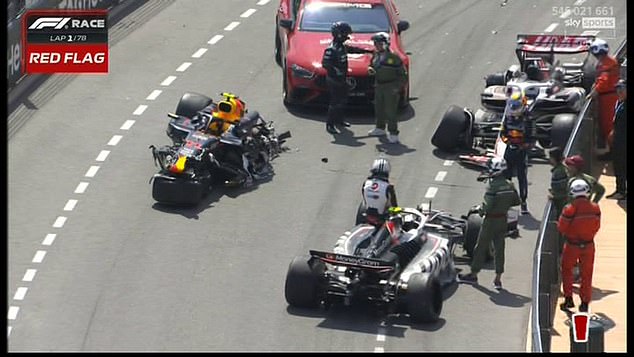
{"x": 580, "y": 327}
{"x": 54, "y": 22}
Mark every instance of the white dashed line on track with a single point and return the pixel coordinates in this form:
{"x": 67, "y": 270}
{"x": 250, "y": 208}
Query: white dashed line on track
{"x": 431, "y": 192}
{"x": 92, "y": 171}
{"x": 551, "y": 27}
{"x": 29, "y": 275}
{"x": 140, "y": 109}
{"x": 49, "y": 239}
{"x": 155, "y": 93}
{"x": 115, "y": 140}
{"x": 232, "y": 25}
{"x": 59, "y": 222}
{"x": 183, "y": 67}
{"x": 102, "y": 155}
{"x": 248, "y": 13}
{"x": 20, "y": 293}
{"x": 39, "y": 256}
{"x": 81, "y": 188}
{"x": 263, "y": 2}
{"x": 168, "y": 81}
{"x": 448, "y": 163}
{"x": 127, "y": 125}
{"x": 440, "y": 175}
{"x": 70, "y": 205}
{"x": 199, "y": 53}
{"x": 379, "y": 350}
{"x": 215, "y": 39}
{"x": 13, "y": 312}
{"x": 9, "y": 331}
{"x": 565, "y": 14}
{"x": 579, "y": 2}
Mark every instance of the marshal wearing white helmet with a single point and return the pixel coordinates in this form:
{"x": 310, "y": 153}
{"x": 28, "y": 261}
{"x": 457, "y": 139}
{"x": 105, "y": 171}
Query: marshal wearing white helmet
{"x": 378, "y": 193}
{"x": 500, "y": 196}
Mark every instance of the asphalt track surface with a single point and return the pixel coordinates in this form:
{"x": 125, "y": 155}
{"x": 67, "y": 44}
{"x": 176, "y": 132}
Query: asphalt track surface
{"x": 124, "y": 274}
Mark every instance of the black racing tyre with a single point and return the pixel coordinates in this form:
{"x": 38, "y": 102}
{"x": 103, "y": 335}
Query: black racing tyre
{"x": 278, "y": 45}
{"x": 495, "y": 79}
{"x": 360, "y": 211}
{"x": 286, "y": 95}
{"x": 474, "y": 223}
{"x": 451, "y": 131}
{"x": 302, "y": 281}
{"x": 179, "y": 191}
{"x": 424, "y": 298}
{"x": 589, "y": 75}
{"x": 191, "y": 103}
{"x": 561, "y": 128}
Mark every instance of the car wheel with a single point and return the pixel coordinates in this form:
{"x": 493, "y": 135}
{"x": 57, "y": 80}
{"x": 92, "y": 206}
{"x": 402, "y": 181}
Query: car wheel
{"x": 278, "y": 45}
{"x": 302, "y": 281}
{"x": 452, "y": 129}
{"x": 191, "y": 103}
{"x": 180, "y": 192}
{"x": 561, "y": 128}
{"x": 495, "y": 79}
{"x": 286, "y": 96}
{"x": 424, "y": 298}
{"x": 472, "y": 231}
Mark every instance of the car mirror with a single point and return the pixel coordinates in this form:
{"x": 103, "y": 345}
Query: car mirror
{"x": 286, "y": 23}
{"x": 402, "y": 26}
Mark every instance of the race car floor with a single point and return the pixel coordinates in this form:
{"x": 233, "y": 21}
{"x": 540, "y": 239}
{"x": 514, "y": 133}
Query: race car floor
{"x": 609, "y": 288}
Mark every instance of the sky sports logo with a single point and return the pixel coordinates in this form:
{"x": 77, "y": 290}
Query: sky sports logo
{"x": 58, "y": 23}
{"x": 65, "y": 41}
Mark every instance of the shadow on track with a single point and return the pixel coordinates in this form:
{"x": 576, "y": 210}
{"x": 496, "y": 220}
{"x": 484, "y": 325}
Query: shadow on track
{"x": 355, "y": 115}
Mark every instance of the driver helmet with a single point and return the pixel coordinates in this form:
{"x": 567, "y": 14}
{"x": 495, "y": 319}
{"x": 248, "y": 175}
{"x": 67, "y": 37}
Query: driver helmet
{"x": 340, "y": 31}
{"x": 380, "y": 167}
{"x": 599, "y": 47}
{"x": 516, "y": 104}
{"x": 382, "y": 37}
{"x": 496, "y": 166}
{"x": 579, "y": 188}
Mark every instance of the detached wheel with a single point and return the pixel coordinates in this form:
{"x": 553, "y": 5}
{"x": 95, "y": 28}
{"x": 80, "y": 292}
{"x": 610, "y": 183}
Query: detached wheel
{"x": 360, "y": 211}
{"x": 191, "y": 103}
{"x": 561, "y": 129}
{"x": 452, "y": 129}
{"x": 302, "y": 282}
{"x": 424, "y": 298}
{"x": 474, "y": 224}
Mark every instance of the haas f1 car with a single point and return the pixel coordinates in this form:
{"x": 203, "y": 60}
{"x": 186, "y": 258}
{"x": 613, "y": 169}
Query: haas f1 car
{"x": 401, "y": 270}
{"x": 198, "y": 159}
{"x": 555, "y": 98}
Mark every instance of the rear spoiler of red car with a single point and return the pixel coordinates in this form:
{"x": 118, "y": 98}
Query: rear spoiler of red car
{"x": 554, "y": 43}
{"x": 352, "y": 261}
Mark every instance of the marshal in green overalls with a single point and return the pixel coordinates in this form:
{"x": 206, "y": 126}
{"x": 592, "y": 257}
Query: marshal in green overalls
{"x": 389, "y": 77}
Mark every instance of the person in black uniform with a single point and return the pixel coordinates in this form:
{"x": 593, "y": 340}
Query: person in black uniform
{"x": 335, "y": 62}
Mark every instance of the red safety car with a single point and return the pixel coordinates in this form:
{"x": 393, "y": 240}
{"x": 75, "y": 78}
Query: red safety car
{"x": 302, "y": 34}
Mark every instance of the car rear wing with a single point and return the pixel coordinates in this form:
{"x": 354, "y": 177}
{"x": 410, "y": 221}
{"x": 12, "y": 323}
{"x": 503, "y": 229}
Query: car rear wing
{"x": 570, "y": 44}
{"x": 353, "y": 261}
